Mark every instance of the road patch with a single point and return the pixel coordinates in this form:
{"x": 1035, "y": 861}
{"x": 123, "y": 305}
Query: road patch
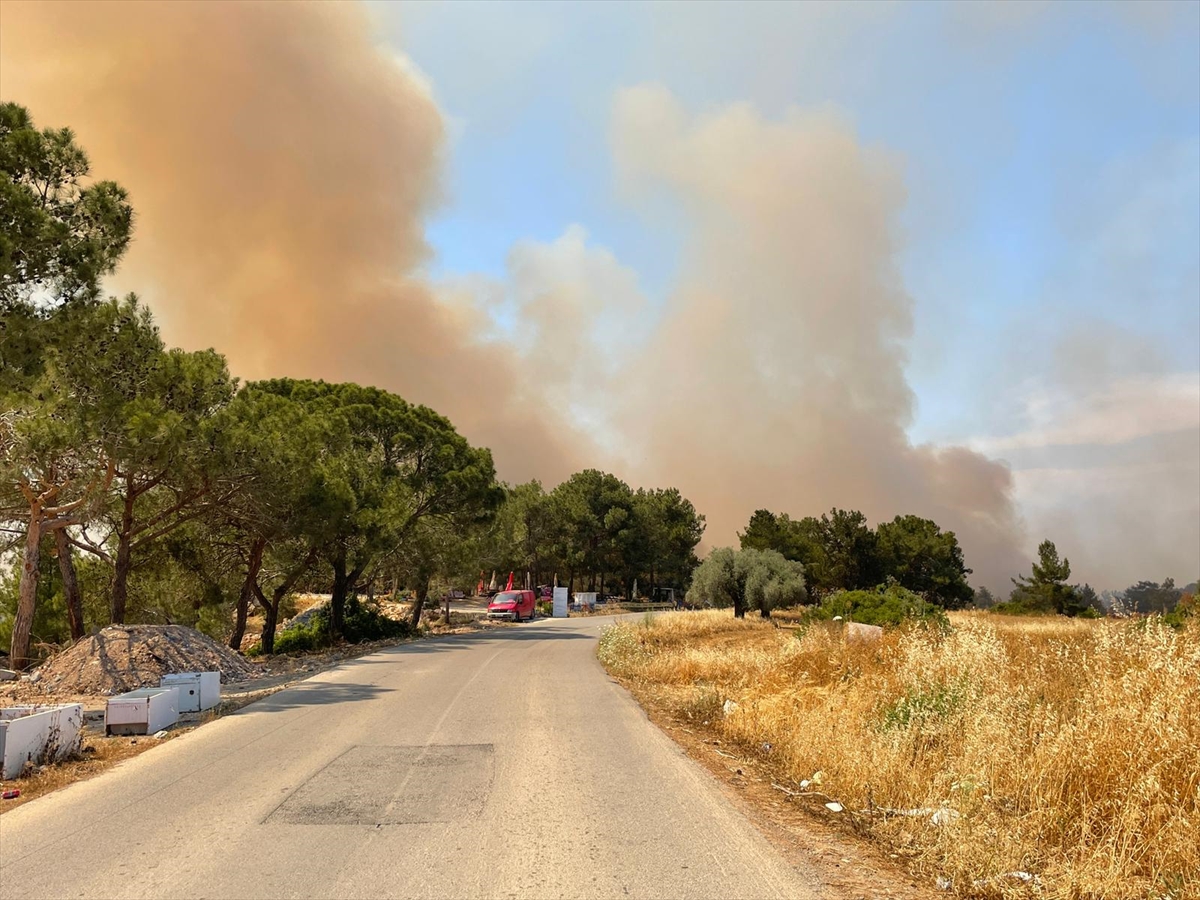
{"x": 378, "y": 786}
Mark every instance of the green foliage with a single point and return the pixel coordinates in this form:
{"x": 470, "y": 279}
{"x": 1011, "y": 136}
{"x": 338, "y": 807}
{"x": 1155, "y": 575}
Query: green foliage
{"x": 401, "y": 464}
{"x": 887, "y": 605}
{"x": 595, "y": 527}
{"x": 305, "y": 638}
{"x": 50, "y": 617}
{"x": 747, "y": 579}
{"x": 1147, "y": 597}
{"x": 923, "y": 558}
{"x": 838, "y": 550}
{"x": 924, "y": 707}
{"x": 1186, "y": 609}
{"x": 363, "y": 622}
{"x": 1045, "y": 592}
{"x": 984, "y": 598}
{"x": 840, "y": 553}
{"x": 595, "y": 515}
{"x": 59, "y": 236}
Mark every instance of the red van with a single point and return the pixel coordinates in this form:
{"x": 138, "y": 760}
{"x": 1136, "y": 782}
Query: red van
{"x": 515, "y": 605}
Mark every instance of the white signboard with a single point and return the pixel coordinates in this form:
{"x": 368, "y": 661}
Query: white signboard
{"x": 560, "y": 603}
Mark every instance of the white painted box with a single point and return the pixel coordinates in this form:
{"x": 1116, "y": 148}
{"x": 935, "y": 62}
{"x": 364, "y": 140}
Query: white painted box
{"x": 198, "y": 691}
{"x": 143, "y": 711}
{"x": 38, "y": 734}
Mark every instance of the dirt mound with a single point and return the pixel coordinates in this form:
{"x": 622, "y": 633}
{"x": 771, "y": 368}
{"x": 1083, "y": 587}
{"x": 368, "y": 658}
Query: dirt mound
{"x": 126, "y": 657}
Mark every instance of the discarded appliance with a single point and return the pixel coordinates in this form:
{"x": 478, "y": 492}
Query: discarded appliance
{"x": 586, "y": 600}
{"x": 560, "y": 603}
{"x": 143, "y": 711}
{"x": 38, "y": 734}
{"x": 198, "y": 691}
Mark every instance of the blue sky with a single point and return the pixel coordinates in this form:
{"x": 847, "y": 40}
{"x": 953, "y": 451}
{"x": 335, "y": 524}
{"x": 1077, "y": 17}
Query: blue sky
{"x": 931, "y": 258}
{"x": 1048, "y": 236}
{"x": 1022, "y": 132}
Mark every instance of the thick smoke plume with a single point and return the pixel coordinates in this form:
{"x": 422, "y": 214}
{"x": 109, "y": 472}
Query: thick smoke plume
{"x": 783, "y": 347}
{"x": 280, "y": 165}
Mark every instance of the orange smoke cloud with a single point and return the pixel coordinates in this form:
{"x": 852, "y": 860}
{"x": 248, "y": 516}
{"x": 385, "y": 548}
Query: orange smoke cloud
{"x": 280, "y": 165}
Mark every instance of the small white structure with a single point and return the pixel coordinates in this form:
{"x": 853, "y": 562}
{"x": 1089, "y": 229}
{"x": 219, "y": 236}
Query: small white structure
{"x": 38, "y": 734}
{"x": 561, "y": 598}
{"x": 586, "y": 600}
{"x": 144, "y": 711}
{"x": 856, "y": 631}
{"x": 198, "y": 691}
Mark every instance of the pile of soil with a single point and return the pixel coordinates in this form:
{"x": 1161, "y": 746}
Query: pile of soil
{"x": 126, "y": 657}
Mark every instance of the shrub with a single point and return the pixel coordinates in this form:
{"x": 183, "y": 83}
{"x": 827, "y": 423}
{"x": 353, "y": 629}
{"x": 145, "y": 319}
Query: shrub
{"x": 365, "y": 622}
{"x": 312, "y": 635}
{"x": 886, "y": 605}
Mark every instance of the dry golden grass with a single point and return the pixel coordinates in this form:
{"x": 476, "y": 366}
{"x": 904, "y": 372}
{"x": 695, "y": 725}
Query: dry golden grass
{"x": 97, "y": 754}
{"x": 1065, "y": 749}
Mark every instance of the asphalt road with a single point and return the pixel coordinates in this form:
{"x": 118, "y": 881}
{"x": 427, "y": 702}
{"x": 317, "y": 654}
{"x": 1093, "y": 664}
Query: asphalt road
{"x": 497, "y": 764}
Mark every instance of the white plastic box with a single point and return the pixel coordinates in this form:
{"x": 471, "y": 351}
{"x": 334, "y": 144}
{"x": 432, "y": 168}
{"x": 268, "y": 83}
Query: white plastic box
{"x": 143, "y": 711}
{"x": 198, "y": 691}
{"x": 38, "y": 734}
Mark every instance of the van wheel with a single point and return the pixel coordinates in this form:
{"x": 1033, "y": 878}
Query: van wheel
{"x": 517, "y": 616}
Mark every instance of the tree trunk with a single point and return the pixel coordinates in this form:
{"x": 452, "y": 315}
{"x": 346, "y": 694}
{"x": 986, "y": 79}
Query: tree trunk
{"x": 337, "y": 600}
{"x": 739, "y": 607}
{"x": 253, "y": 567}
{"x": 270, "y": 623}
{"x": 419, "y": 602}
{"x": 271, "y": 608}
{"x": 27, "y": 596}
{"x": 763, "y": 609}
{"x": 66, "y": 567}
{"x": 120, "y": 590}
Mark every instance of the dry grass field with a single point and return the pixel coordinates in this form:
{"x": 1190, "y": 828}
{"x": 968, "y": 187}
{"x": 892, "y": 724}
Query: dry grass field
{"x": 1009, "y": 757}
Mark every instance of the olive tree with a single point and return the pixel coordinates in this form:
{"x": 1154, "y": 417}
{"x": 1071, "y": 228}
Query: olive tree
{"x": 747, "y": 579}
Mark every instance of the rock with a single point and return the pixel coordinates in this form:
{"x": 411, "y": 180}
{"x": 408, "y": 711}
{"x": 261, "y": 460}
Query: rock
{"x": 8, "y": 675}
{"x": 856, "y": 631}
{"x": 729, "y": 708}
{"x": 834, "y": 806}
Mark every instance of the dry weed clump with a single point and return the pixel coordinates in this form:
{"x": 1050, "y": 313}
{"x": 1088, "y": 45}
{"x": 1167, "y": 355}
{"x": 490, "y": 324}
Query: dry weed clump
{"x": 1065, "y": 750}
